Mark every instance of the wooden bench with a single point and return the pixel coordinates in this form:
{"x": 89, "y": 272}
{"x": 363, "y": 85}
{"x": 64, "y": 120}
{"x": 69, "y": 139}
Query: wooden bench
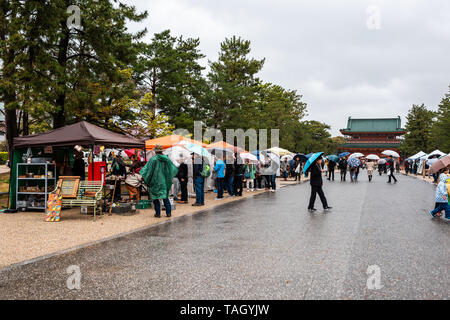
{"x": 89, "y": 194}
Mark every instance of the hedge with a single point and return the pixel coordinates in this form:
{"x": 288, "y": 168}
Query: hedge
{"x": 3, "y": 157}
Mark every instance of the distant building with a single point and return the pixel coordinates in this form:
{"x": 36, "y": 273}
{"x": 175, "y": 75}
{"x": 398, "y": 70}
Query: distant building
{"x": 372, "y": 136}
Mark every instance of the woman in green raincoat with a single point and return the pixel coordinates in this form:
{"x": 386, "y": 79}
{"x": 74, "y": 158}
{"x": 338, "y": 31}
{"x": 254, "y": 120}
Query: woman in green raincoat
{"x": 158, "y": 174}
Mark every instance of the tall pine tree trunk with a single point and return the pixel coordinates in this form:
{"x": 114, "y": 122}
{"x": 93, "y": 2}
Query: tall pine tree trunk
{"x": 59, "y": 118}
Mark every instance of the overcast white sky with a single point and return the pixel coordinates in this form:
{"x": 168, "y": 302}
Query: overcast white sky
{"x": 324, "y": 49}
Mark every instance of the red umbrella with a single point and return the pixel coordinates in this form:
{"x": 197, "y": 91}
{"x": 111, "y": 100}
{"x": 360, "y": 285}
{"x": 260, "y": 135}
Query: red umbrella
{"x": 132, "y": 152}
{"x": 440, "y": 164}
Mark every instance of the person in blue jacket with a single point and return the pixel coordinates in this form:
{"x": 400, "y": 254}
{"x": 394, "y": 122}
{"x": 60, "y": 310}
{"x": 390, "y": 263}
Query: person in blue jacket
{"x": 220, "y": 169}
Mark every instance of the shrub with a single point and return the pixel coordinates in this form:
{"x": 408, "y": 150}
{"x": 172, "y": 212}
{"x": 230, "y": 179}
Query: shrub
{"x": 3, "y": 157}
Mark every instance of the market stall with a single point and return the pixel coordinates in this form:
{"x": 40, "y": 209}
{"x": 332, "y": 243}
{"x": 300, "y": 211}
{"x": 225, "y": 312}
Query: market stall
{"x": 39, "y": 159}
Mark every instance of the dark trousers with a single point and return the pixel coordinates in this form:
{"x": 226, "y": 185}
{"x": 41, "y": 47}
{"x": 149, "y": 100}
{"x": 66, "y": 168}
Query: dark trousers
{"x": 257, "y": 182}
{"x": 166, "y": 205}
{"x": 343, "y": 174}
{"x": 391, "y": 175}
{"x": 331, "y": 174}
{"x": 267, "y": 181}
{"x": 219, "y": 183}
{"x": 317, "y": 190}
{"x": 229, "y": 184}
{"x": 238, "y": 185}
{"x": 199, "y": 184}
{"x": 184, "y": 192}
{"x": 273, "y": 183}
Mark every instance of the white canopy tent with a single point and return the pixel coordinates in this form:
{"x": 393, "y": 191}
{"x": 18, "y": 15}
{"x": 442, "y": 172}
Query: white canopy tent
{"x": 417, "y": 155}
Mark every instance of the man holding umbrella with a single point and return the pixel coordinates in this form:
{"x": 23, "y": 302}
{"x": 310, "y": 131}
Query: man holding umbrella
{"x": 391, "y": 169}
{"x": 343, "y": 168}
{"x": 314, "y": 166}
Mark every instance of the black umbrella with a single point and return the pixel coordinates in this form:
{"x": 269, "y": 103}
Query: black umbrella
{"x": 301, "y": 157}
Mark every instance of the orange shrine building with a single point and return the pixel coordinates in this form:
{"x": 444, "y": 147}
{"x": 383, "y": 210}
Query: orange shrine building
{"x": 372, "y": 135}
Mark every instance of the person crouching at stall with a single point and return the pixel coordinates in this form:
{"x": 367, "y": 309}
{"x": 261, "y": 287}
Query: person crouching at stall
{"x": 133, "y": 182}
{"x": 158, "y": 174}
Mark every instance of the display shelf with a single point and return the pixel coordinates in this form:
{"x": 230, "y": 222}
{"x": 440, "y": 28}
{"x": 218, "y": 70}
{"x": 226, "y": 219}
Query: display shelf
{"x": 48, "y": 182}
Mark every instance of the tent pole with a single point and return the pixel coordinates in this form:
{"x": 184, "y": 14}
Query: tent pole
{"x": 92, "y": 157}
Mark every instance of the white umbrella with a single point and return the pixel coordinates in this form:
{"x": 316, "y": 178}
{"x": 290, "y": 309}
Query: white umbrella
{"x": 430, "y": 162}
{"x": 248, "y": 156}
{"x": 382, "y": 161}
{"x": 373, "y": 157}
{"x": 355, "y": 155}
{"x": 288, "y": 157}
{"x": 436, "y": 153}
{"x": 176, "y": 153}
{"x": 391, "y": 153}
{"x": 279, "y": 151}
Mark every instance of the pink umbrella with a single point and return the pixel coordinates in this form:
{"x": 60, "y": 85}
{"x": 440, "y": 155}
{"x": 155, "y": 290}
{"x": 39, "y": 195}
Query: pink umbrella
{"x": 440, "y": 164}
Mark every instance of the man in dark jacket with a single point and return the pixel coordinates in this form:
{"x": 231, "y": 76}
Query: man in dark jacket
{"x": 199, "y": 180}
{"x": 229, "y": 177}
{"x": 183, "y": 179}
{"x": 391, "y": 169}
{"x": 331, "y": 167}
{"x": 238, "y": 175}
{"x": 343, "y": 168}
{"x": 316, "y": 185}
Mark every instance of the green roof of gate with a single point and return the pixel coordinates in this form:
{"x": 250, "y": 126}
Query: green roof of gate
{"x": 374, "y": 125}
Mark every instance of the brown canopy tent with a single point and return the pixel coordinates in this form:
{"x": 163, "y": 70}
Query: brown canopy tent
{"x": 81, "y": 133}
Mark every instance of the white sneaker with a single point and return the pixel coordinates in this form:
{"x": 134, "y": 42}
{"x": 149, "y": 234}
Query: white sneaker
{"x": 218, "y": 198}
{"x": 253, "y": 190}
{"x": 248, "y": 190}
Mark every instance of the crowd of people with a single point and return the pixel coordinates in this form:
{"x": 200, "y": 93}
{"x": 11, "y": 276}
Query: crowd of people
{"x": 230, "y": 174}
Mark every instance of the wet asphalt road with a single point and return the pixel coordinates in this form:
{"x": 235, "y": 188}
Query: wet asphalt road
{"x": 266, "y": 247}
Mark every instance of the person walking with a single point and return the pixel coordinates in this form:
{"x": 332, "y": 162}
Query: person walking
{"x": 199, "y": 180}
{"x": 441, "y": 197}
{"x": 298, "y": 170}
{"x": 356, "y": 173}
{"x": 249, "y": 175}
{"x": 391, "y": 169}
{"x": 219, "y": 168}
{"x": 284, "y": 169}
{"x": 182, "y": 177}
{"x": 158, "y": 174}
{"x": 342, "y": 165}
{"x": 370, "y": 166}
{"x": 316, "y": 185}
{"x": 331, "y": 167}
{"x": 238, "y": 175}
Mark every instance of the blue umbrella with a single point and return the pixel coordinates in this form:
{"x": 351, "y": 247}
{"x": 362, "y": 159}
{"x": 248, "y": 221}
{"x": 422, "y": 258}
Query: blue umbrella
{"x": 311, "y": 160}
{"x": 255, "y": 153}
{"x": 309, "y": 155}
{"x": 354, "y": 162}
{"x": 333, "y": 157}
{"x": 343, "y": 154}
{"x": 195, "y": 148}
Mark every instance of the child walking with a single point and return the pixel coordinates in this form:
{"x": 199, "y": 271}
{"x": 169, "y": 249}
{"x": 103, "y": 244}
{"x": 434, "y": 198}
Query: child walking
{"x": 441, "y": 197}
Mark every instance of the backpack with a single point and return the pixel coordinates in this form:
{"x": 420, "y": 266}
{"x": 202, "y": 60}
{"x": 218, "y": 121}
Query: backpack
{"x": 206, "y": 171}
